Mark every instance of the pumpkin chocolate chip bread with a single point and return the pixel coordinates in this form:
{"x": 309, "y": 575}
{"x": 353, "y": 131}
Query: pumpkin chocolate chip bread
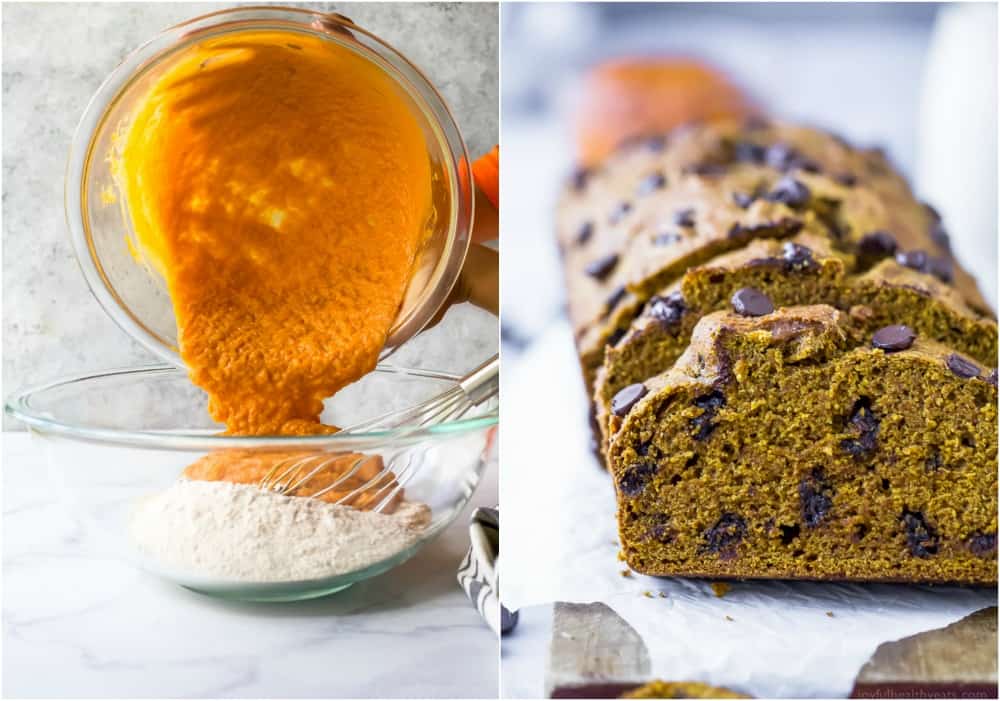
{"x": 805, "y": 269}
{"x": 681, "y": 690}
{"x": 795, "y": 444}
{"x": 633, "y": 226}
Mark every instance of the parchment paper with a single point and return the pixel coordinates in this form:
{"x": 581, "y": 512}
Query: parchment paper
{"x": 768, "y": 639}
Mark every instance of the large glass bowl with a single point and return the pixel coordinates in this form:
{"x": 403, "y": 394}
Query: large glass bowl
{"x": 134, "y": 294}
{"x": 116, "y": 437}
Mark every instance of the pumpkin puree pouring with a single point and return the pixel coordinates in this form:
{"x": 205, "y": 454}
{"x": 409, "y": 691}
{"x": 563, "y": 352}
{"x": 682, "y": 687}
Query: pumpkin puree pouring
{"x": 281, "y": 184}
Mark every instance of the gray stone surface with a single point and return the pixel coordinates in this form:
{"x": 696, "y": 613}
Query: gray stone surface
{"x": 54, "y": 57}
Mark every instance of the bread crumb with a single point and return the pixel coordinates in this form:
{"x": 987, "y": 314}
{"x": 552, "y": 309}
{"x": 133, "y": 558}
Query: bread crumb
{"x": 830, "y": 614}
{"x": 730, "y": 618}
{"x": 662, "y": 594}
{"x": 648, "y": 594}
{"x": 626, "y": 573}
{"x": 621, "y": 556}
{"x": 720, "y": 588}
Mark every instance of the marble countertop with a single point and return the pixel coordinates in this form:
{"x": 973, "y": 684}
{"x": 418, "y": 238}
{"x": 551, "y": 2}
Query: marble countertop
{"x": 524, "y": 654}
{"x": 78, "y": 624}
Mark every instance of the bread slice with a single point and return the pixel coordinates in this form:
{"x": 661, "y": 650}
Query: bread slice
{"x": 806, "y": 269}
{"x": 787, "y": 446}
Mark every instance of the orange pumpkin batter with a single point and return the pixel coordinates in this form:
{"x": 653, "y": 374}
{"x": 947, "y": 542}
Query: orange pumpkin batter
{"x": 352, "y": 478}
{"x": 281, "y": 184}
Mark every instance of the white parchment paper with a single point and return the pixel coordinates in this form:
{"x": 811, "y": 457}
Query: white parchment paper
{"x": 768, "y": 639}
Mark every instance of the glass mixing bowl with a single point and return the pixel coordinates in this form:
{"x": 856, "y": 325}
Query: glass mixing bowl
{"x": 133, "y": 294}
{"x": 116, "y": 437}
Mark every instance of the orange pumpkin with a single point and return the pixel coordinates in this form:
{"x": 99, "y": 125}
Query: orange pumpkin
{"x": 628, "y": 98}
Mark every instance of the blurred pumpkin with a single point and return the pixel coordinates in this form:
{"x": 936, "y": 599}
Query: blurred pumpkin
{"x": 627, "y": 98}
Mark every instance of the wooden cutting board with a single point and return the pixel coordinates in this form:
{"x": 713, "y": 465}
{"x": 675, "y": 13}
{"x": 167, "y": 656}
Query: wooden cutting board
{"x": 594, "y": 653}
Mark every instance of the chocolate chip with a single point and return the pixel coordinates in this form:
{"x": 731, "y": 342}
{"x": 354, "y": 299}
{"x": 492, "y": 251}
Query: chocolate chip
{"x": 807, "y": 165}
{"x": 877, "y": 244}
{"x": 619, "y": 212}
{"x": 660, "y": 531}
{"x": 920, "y": 535}
{"x": 579, "y": 178}
{"x": 616, "y": 335}
{"x": 666, "y": 238}
{"x": 684, "y": 217}
{"x": 743, "y": 200}
{"x": 786, "y": 158}
{"x": 668, "y": 309}
{"x": 893, "y": 338}
{"x": 846, "y": 179}
{"x": 756, "y": 123}
{"x": 983, "y": 544}
{"x": 961, "y": 366}
{"x": 917, "y": 260}
{"x": 781, "y": 156}
{"x": 585, "y": 232}
{"x": 602, "y": 267}
{"x": 789, "y": 533}
{"x": 635, "y": 477}
{"x": 651, "y": 183}
{"x": 865, "y": 423}
{"x": 781, "y": 228}
{"x": 749, "y": 152}
{"x": 705, "y": 169}
{"x": 712, "y": 400}
{"x": 797, "y": 256}
{"x": 656, "y": 143}
{"x": 643, "y": 448}
{"x": 941, "y": 269}
{"x": 815, "y": 497}
{"x": 614, "y": 299}
{"x": 768, "y": 262}
{"x": 703, "y": 425}
{"x": 724, "y": 537}
{"x": 789, "y": 191}
{"x": 748, "y": 301}
{"x": 626, "y": 398}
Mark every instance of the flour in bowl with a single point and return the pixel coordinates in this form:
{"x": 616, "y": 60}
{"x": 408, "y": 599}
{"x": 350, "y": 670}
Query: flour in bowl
{"x": 242, "y": 533}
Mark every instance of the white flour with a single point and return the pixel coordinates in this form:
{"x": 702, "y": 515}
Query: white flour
{"x": 242, "y": 533}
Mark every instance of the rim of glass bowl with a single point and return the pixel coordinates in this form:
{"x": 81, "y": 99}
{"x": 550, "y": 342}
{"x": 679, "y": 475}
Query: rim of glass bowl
{"x": 435, "y": 111}
{"x": 19, "y": 406}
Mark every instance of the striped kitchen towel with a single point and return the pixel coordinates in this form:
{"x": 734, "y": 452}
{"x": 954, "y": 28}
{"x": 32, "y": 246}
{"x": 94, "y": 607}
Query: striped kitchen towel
{"x": 478, "y": 573}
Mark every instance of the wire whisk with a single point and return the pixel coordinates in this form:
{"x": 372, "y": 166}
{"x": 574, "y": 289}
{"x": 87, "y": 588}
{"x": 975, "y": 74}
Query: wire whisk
{"x": 372, "y": 482}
